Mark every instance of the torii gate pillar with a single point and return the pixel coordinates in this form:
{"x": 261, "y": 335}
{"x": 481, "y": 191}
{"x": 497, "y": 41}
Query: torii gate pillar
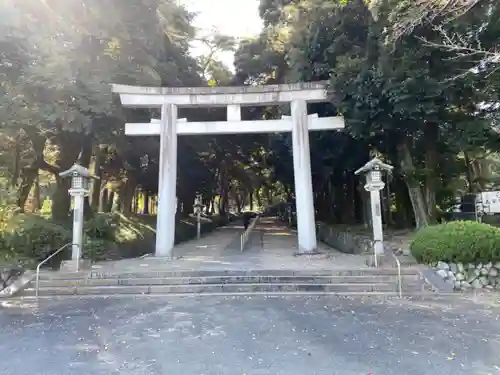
{"x": 306, "y": 225}
{"x": 167, "y": 184}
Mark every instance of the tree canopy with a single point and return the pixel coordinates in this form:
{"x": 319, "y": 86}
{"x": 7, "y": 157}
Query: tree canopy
{"x": 417, "y": 84}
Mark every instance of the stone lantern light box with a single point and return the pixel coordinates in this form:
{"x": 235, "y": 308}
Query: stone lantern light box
{"x": 80, "y": 178}
{"x": 373, "y": 172}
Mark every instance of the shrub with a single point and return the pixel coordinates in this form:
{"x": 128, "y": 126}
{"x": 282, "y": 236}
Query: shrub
{"x": 102, "y": 226}
{"x": 34, "y": 237}
{"x": 106, "y": 236}
{"x": 457, "y": 242}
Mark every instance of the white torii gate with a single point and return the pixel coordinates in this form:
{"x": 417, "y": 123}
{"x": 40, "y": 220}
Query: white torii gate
{"x": 169, "y": 126}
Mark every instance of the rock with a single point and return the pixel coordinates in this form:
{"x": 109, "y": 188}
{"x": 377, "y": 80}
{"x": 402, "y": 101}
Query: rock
{"x": 471, "y": 276}
{"x": 497, "y": 265}
{"x": 451, "y": 276}
{"x": 488, "y": 265}
{"x": 460, "y": 267}
{"x": 492, "y": 280}
{"x": 477, "y": 272}
{"x": 460, "y": 276}
{"x": 8, "y": 276}
{"x": 453, "y": 267}
{"x": 476, "y": 284}
{"x": 479, "y": 266}
{"x": 470, "y": 266}
{"x": 442, "y": 273}
{"x": 493, "y": 271}
{"x": 484, "y": 271}
{"x": 489, "y": 287}
{"x": 457, "y": 284}
{"x": 465, "y": 285}
{"x": 443, "y": 266}
{"x": 484, "y": 280}
{"x": 20, "y": 282}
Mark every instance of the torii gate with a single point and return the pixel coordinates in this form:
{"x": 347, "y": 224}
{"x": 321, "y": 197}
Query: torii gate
{"x": 233, "y": 98}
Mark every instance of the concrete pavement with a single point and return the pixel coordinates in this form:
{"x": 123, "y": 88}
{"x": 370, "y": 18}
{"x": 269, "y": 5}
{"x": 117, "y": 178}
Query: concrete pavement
{"x": 252, "y": 336}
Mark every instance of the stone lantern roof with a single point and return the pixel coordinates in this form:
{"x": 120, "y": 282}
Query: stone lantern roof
{"x": 374, "y": 164}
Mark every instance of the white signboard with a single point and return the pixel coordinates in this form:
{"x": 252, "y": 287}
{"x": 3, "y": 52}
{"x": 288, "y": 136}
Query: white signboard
{"x": 490, "y": 201}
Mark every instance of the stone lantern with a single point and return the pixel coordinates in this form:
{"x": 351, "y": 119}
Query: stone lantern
{"x": 374, "y": 184}
{"x": 197, "y": 208}
{"x": 80, "y": 181}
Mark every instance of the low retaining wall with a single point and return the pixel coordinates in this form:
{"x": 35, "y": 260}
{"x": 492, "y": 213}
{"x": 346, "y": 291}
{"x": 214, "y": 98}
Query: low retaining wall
{"x": 343, "y": 240}
{"x": 467, "y": 276}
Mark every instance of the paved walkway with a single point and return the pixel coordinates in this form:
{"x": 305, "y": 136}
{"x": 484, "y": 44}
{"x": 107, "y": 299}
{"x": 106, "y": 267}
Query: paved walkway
{"x": 272, "y": 246}
{"x": 249, "y": 335}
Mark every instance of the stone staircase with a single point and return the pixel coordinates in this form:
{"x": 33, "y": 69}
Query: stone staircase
{"x": 366, "y": 281}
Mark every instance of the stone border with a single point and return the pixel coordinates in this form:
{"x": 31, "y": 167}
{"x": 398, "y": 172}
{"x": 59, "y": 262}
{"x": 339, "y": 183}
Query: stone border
{"x": 343, "y": 241}
{"x": 462, "y": 276}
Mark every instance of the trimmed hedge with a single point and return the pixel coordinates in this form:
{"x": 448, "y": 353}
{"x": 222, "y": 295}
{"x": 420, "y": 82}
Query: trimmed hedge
{"x": 457, "y": 242}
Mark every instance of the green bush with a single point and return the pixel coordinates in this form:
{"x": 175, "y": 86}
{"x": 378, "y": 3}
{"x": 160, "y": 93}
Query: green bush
{"x": 106, "y": 237}
{"x": 33, "y": 237}
{"x": 457, "y": 242}
{"x": 103, "y": 226}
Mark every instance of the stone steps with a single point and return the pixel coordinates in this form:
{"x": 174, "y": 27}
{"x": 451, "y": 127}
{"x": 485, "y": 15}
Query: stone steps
{"x": 246, "y": 288}
{"x": 148, "y": 280}
{"x": 366, "y": 281}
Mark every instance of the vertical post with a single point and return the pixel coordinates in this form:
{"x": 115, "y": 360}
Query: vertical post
{"x": 234, "y": 112}
{"x": 198, "y": 224}
{"x": 165, "y": 221}
{"x": 77, "y": 229}
{"x": 302, "y": 176}
{"x": 376, "y": 215}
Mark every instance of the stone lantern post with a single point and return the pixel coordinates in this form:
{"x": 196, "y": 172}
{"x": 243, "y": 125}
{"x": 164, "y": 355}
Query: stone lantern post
{"x": 80, "y": 178}
{"x": 197, "y": 207}
{"x": 374, "y": 184}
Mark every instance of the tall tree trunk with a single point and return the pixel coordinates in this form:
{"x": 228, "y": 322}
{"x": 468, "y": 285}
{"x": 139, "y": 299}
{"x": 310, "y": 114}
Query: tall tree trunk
{"x": 126, "y": 196}
{"x": 258, "y": 198}
{"x": 431, "y": 133}
{"x": 110, "y": 201}
{"x": 37, "y": 201}
{"x": 238, "y": 202}
{"x": 103, "y": 200}
{"x": 97, "y": 183}
{"x": 468, "y": 173}
{"x": 414, "y": 190}
{"x": 250, "y": 198}
{"x": 145, "y": 210}
{"x": 28, "y": 177}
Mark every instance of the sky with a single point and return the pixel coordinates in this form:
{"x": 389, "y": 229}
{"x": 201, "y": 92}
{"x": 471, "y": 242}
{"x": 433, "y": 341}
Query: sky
{"x": 238, "y": 18}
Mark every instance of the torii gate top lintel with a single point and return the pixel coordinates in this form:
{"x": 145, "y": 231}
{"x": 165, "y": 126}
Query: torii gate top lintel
{"x": 141, "y": 96}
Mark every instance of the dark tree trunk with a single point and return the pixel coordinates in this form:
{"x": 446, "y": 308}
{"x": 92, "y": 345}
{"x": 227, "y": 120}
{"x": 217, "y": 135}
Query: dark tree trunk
{"x": 110, "y": 201}
{"x": 145, "y": 209}
{"x": 37, "y": 199}
{"x": 103, "y": 200}
{"x": 29, "y": 175}
{"x": 97, "y": 183}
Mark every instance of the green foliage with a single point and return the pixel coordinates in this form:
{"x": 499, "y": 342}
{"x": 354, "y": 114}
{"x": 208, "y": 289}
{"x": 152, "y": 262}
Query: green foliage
{"x": 106, "y": 236}
{"x": 458, "y": 242}
{"x": 33, "y": 237}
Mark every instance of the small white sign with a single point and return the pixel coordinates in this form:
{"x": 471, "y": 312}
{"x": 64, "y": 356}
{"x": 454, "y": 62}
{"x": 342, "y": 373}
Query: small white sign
{"x": 490, "y": 201}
